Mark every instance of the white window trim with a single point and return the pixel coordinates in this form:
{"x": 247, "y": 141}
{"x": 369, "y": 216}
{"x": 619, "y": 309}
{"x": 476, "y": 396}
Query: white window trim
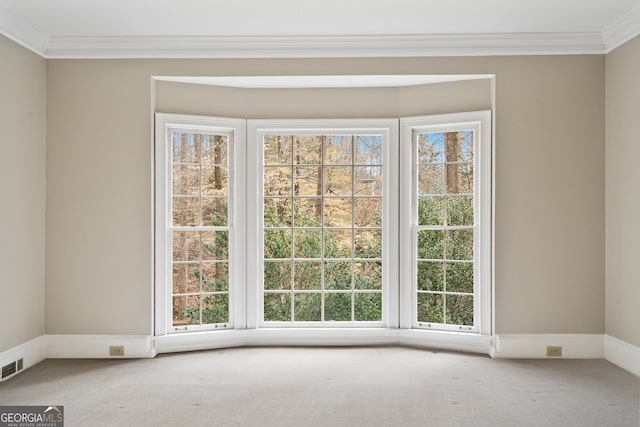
{"x": 256, "y": 129}
{"x": 398, "y": 329}
{"x": 165, "y": 123}
{"x": 480, "y": 122}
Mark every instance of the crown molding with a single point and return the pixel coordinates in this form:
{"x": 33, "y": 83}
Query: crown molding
{"x": 23, "y": 34}
{"x": 326, "y": 46}
{"x": 622, "y": 30}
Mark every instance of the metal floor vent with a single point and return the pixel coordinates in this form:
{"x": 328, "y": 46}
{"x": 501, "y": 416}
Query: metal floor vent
{"x": 12, "y": 368}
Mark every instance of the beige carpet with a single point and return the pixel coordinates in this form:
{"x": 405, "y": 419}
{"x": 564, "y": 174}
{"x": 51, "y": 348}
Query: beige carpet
{"x": 379, "y": 386}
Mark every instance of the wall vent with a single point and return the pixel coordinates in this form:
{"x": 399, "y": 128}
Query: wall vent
{"x": 12, "y": 368}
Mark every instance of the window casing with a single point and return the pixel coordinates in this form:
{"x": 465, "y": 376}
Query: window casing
{"x": 446, "y": 225}
{"x": 354, "y": 263}
{"x": 249, "y": 199}
{"x": 197, "y": 264}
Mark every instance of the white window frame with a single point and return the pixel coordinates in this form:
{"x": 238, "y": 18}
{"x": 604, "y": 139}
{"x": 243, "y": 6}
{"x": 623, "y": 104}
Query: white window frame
{"x": 480, "y": 123}
{"x": 245, "y": 256}
{"x": 165, "y": 124}
{"x": 257, "y": 129}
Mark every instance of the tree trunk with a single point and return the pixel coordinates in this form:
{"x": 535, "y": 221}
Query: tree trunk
{"x": 318, "y": 207}
{"x": 296, "y": 186}
{"x": 453, "y": 155}
{"x": 217, "y": 159}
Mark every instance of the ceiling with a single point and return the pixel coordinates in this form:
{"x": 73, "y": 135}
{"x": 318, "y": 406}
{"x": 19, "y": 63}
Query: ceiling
{"x": 298, "y": 28}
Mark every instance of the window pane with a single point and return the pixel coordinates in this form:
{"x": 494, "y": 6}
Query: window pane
{"x": 337, "y": 275}
{"x": 186, "y": 278}
{"x": 307, "y": 276}
{"x": 337, "y": 243}
{"x": 215, "y": 245}
{"x": 308, "y": 244}
{"x": 277, "y": 276}
{"x": 430, "y": 308}
{"x": 307, "y": 181}
{"x": 368, "y": 244}
{"x": 307, "y": 149}
{"x": 215, "y": 276}
{"x": 307, "y": 307}
{"x": 431, "y": 244}
{"x": 277, "y": 150}
{"x": 368, "y": 307}
{"x": 337, "y": 212}
{"x": 337, "y": 307}
{"x": 307, "y": 212}
{"x": 277, "y": 307}
{"x": 460, "y": 277}
{"x": 367, "y": 212}
{"x": 337, "y": 181}
{"x": 467, "y": 146}
{"x": 214, "y": 149}
{"x": 431, "y": 210}
{"x": 459, "y": 178}
{"x": 277, "y": 181}
{"x": 215, "y": 309}
{"x": 185, "y": 147}
{"x": 215, "y": 181}
{"x": 430, "y": 276}
{"x": 337, "y": 150}
{"x": 460, "y": 244}
{"x": 186, "y": 180}
{"x": 459, "y": 146}
{"x": 460, "y": 310}
{"x": 367, "y": 150}
{"x": 460, "y": 210}
{"x": 430, "y": 179}
{"x": 186, "y": 310}
{"x": 215, "y": 212}
{"x": 367, "y": 181}
{"x": 185, "y": 211}
{"x": 368, "y": 275}
{"x": 431, "y": 148}
{"x": 186, "y": 245}
{"x": 277, "y": 212}
{"x": 277, "y": 244}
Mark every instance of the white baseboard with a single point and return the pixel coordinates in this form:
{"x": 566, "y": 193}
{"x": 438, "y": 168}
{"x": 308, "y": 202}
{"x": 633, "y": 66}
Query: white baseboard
{"x": 534, "y": 346}
{"x": 574, "y": 346}
{"x": 97, "y": 346}
{"x": 31, "y": 353}
{"x": 623, "y": 354}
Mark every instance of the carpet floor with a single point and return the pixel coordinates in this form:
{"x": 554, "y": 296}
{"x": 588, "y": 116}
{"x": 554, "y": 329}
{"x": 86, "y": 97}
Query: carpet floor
{"x": 359, "y": 386}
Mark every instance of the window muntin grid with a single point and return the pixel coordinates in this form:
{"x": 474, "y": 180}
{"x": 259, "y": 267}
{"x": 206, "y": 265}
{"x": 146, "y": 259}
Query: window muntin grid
{"x": 445, "y": 231}
{"x": 322, "y": 233}
{"x": 200, "y": 230}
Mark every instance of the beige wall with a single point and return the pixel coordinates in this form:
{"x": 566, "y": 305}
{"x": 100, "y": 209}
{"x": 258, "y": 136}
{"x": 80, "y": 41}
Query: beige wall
{"x": 549, "y": 191}
{"x": 623, "y": 197}
{"x": 22, "y": 186}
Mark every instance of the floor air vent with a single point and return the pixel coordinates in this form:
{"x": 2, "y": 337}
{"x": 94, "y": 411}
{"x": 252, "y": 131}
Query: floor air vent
{"x": 12, "y": 368}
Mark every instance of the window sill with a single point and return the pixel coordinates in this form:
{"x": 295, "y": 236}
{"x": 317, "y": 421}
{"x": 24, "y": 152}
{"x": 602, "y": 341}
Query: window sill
{"x": 441, "y": 340}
